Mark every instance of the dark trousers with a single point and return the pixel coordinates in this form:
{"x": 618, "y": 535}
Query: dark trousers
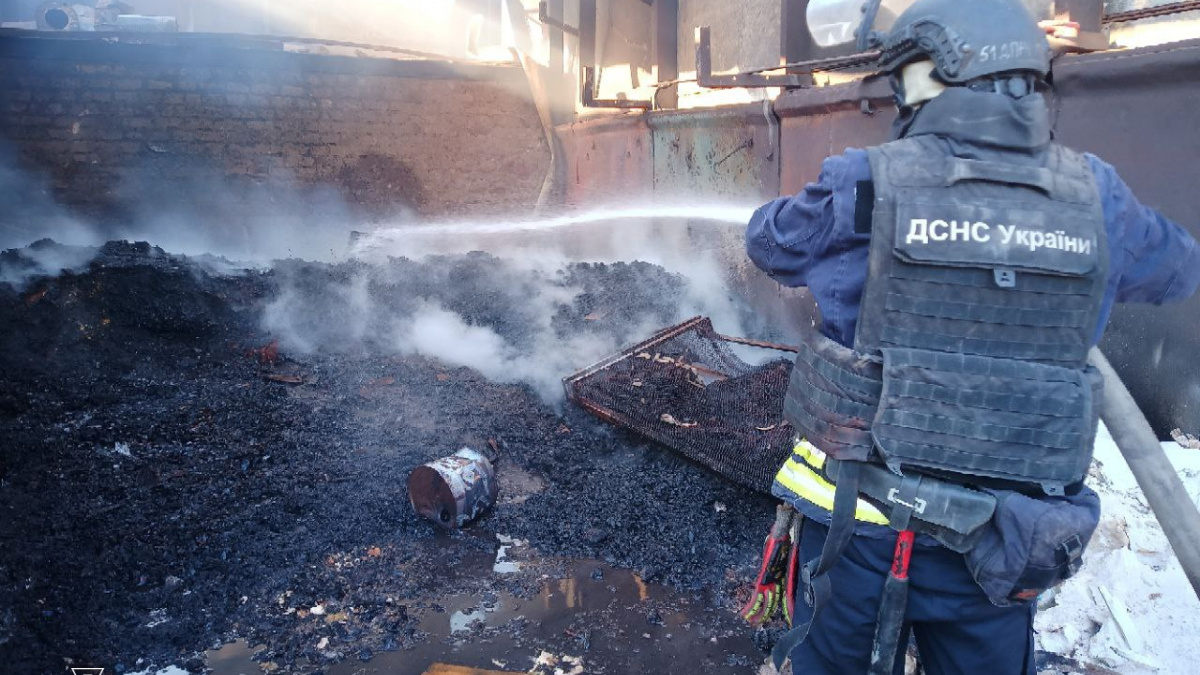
{"x": 957, "y": 629}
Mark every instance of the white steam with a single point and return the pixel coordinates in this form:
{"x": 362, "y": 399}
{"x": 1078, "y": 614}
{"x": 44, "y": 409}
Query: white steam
{"x": 436, "y": 332}
{"x": 371, "y": 306}
{"x": 378, "y": 307}
{"x": 20, "y": 267}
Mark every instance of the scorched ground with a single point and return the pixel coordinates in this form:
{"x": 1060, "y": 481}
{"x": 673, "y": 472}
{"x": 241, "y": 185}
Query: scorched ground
{"x": 171, "y": 478}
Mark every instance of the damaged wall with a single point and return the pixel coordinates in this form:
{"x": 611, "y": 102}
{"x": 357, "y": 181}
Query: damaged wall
{"x": 110, "y": 123}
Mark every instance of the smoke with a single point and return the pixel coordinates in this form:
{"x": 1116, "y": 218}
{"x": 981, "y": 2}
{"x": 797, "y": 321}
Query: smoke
{"x": 453, "y": 28}
{"x": 533, "y": 309}
{"x": 206, "y": 214}
{"x": 28, "y": 214}
{"x": 19, "y": 266}
{"x": 438, "y": 333}
{"x": 548, "y": 298}
{"x": 253, "y": 223}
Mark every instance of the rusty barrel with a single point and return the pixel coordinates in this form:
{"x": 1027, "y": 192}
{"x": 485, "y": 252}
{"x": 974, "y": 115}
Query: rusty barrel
{"x": 453, "y": 490}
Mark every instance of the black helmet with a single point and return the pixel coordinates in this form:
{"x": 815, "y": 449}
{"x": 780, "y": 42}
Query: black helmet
{"x": 966, "y": 39}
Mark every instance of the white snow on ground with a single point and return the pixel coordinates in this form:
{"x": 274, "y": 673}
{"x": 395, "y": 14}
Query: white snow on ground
{"x": 170, "y": 670}
{"x": 1131, "y": 608}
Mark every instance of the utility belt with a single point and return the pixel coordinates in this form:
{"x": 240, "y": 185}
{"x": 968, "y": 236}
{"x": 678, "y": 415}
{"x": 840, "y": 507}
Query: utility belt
{"x": 951, "y": 513}
{"x": 1015, "y": 546}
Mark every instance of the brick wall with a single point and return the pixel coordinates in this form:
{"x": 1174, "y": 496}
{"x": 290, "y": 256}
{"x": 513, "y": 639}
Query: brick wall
{"x": 108, "y": 125}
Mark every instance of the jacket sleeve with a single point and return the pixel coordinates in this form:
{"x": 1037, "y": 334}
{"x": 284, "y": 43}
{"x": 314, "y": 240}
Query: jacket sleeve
{"x": 787, "y": 235}
{"x": 1154, "y": 259}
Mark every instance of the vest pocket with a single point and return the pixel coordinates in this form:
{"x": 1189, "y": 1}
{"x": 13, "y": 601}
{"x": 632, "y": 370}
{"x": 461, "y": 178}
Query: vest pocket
{"x": 1017, "y": 424}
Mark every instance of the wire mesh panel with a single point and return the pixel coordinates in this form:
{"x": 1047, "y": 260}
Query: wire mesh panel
{"x": 687, "y": 389}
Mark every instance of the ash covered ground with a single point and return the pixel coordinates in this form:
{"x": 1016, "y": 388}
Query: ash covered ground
{"x": 193, "y": 453}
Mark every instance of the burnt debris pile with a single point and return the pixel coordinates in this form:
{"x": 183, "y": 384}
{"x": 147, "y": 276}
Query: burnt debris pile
{"x": 193, "y": 452}
{"x": 689, "y": 390}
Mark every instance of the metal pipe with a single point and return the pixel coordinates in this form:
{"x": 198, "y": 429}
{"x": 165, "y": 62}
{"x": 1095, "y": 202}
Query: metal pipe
{"x": 1174, "y": 509}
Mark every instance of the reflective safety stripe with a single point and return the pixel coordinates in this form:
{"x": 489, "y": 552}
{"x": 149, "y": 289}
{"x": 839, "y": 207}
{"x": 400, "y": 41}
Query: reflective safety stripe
{"x": 800, "y": 476}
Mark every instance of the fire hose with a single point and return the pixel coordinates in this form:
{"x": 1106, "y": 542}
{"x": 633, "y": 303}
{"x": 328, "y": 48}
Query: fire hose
{"x": 1168, "y": 499}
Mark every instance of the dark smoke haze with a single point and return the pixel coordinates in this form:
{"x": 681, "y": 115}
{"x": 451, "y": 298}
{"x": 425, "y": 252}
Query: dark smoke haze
{"x": 345, "y": 315}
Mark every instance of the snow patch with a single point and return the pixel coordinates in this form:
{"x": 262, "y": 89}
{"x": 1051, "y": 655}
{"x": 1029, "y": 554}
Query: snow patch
{"x": 169, "y": 670}
{"x": 1131, "y": 607}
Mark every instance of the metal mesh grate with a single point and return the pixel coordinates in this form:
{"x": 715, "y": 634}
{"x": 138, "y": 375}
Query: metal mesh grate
{"x": 687, "y": 389}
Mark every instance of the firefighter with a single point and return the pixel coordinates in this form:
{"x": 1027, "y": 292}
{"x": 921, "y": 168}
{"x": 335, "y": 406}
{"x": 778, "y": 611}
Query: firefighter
{"x": 945, "y": 411}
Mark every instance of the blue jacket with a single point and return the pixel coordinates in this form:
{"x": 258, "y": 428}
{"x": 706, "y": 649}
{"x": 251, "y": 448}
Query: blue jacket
{"x": 809, "y": 240}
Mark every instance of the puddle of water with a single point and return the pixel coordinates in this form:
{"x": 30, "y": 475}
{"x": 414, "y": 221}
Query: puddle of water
{"x": 610, "y": 618}
{"x": 233, "y": 659}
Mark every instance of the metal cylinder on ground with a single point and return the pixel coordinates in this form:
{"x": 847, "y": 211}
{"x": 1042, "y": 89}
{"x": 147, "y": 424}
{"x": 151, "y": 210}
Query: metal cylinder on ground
{"x": 1164, "y": 491}
{"x": 61, "y": 16}
{"x": 454, "y": 490}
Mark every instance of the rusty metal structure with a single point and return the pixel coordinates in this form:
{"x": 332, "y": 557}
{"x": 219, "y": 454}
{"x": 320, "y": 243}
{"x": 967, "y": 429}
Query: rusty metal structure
{"x": 453, "y": 491}
{"x": 685, "y": 387}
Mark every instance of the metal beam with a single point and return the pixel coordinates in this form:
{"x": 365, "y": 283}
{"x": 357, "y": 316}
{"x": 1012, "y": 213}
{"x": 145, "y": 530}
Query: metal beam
{"x": 795, "y": 41}
{"x": 747, "y": 80}
{"x": 1087, "y": 13}
{"x": 665, "y": 32}
{"x": 549, "y": 14}
{"x": 587, "y": 34}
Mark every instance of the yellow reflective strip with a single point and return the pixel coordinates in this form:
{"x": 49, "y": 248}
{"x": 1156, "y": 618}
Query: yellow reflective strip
{"x": 810, "y": 453}
{"x": 806, "y": 483}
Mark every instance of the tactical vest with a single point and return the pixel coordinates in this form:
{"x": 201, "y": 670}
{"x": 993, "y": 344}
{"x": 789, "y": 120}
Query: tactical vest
{"x": 985, "y": 283}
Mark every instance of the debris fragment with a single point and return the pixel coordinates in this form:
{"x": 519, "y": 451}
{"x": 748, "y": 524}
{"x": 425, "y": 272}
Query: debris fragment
{"x": 1186, "y": 440}
{"x": 447, "y": 669}
{"x": 317, "y": 610}
{"x": 1120, "y": 614}
{"x": 549, "y": 664}
{"x": 284, "y": 379}
{"x": 35, "y": 297}
{"x": 669, "y": 419}
{"x": 267, "y": 354}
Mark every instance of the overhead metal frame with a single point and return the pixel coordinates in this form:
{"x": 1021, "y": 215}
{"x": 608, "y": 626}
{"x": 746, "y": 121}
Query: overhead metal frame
{"x": 1152, "y": 12}
{"x": 664, "y": 31}
{"x": 546, "y": 17}
{"x": 590, "y": 100}
{"x": 1087, "y": 13}
{"x": 588, "y": 67}
{"x": 752, "y": 79}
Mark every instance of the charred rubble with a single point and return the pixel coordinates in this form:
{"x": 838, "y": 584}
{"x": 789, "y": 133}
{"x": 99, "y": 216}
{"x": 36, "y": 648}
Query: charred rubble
{"x": 172, "y": 476}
